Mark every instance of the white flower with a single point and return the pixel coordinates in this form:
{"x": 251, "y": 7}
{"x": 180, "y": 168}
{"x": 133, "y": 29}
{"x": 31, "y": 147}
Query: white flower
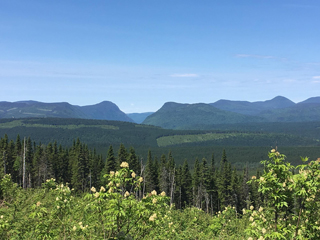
{"x": 163, "y": 194}
{"x": 154, "y": 192}
{"x": 154, "y": 201}
{"x": 93, "y": 189}
{"x": 126, "y": 194}
{"x": 124, "y": 165}
{"x": 153, "y": 217}
{"x": 133, "y": 174}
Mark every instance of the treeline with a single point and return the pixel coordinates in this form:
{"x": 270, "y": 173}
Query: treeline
{"x": 210, "y": 186}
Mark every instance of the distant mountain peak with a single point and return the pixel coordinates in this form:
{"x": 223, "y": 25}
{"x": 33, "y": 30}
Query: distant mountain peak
{"x": 311, "y": 100}
{"x": 105, "y": 110}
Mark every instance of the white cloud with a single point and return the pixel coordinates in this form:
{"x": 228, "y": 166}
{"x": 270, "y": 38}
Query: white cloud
{"x": 316, "y": 77}
{"x": 185, "y": 75}
{"x": 316, "y": 81}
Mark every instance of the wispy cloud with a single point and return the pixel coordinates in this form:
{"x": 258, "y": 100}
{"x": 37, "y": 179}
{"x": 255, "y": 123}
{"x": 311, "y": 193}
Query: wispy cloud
{"x": 316, "y": 77}
{"x": 185, "y": 75}
{"x": 254, "y": 56}
{"x": 257, "y": 56}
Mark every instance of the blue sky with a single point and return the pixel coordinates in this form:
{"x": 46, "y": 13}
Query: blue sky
{"x": 140, "y": 54}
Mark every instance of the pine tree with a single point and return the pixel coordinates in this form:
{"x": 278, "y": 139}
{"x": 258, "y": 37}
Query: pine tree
{"x": 4, "y": 147}
{"x": 186, "y": 185}
{"x": 224, "y": 182}
{"x": 213, "y": 186}
{"x": 149, "y": 174}
{"x": 74, "y": 165}
{"x": 156, "y": 167}
{"x": 29, "y": 156}
{"x": 10, "y": 157}
{"x": 163, "y": 175}
{"x": 38, "y": 167}
{"x": 17, "y": 166}
{"x": 110, "y": 164}
{"x": 224, "y": 156}
{"x": 133, "y": 161}
{"x": 64, "y": 170}
{"x": 122, "y": 156}
{"x": 196, "y": 180}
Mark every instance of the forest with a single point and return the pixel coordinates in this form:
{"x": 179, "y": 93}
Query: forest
{"x": 56, "y": 192}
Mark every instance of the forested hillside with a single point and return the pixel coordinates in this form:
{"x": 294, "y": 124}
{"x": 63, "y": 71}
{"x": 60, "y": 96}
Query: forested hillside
{"x": 241, "y": 140}
{"x": 205, "y": 116}
{"x": 26, "y": 109}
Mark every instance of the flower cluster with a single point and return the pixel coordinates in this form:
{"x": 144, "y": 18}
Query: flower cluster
{"x": 124, "y": 165}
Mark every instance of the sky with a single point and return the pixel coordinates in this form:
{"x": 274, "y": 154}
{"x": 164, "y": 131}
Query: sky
{"x": 140, "y": 54}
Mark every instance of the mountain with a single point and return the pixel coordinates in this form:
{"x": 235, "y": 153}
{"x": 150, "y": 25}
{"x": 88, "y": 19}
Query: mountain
{"x": 26, "y": 109}
{"x": 206, "y": 116}
{"x": 311, "y": 100}
{"x": 253, "y": 108}
{"x": 139, "y": 117}
{"x": 193, "y": 116}
{"x": 105, "y": 111}
{"x": 301, "y": 112}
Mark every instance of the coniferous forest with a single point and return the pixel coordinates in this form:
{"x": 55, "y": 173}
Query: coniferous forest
{"x": 56, "y": 192}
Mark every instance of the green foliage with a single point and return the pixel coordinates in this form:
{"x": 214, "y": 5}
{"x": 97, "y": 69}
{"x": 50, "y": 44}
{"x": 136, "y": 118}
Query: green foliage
{"x": 120, "y": 210}
{"x": 292, "y": 205}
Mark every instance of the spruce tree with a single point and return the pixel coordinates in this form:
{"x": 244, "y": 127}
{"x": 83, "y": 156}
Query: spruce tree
{"x": 186, "y": 185}
{"x": 196, "y": 180}
{"x": 133, "y": 161}
{"x": 122, "y": 156}
{"x": 163, "y": 175}
{"x": 110, "y": 164}
{"x": 149, "y": 174}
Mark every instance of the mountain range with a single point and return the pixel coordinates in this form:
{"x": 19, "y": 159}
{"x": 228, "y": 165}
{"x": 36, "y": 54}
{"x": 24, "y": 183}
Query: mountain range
{"x": 203, "y": 116}
{"x": 24, "y": 109}
{"x": 176, "y": 115}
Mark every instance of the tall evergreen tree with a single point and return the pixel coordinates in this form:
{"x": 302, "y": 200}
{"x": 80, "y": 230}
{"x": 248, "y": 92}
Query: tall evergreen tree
{"x": 17, "y": 166}
{"x": 122, "y": 156}
{"x": 186, "y": 185}
{"x": 163, "y": 175}
{"x": 110, "y": 164}
{"x": 149, "y": 174}
{"x": 133, "y": 161}
{"x": 156, "y": 167}
{"x": 196, "y": 181}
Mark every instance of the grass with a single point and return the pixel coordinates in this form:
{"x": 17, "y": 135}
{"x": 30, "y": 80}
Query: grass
{"x": 193, "y": 138}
